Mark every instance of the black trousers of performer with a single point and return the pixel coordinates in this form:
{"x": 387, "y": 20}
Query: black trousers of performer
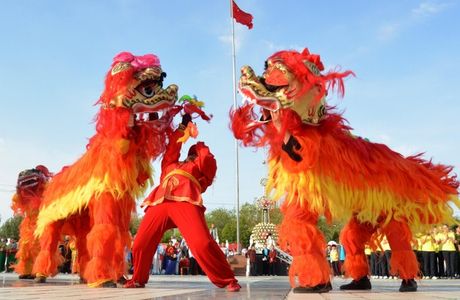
{"x": 440, "y": 264}
{"x": 449, "y": 258}
{"x": 382, "y": 265}
{"x": 458, "y": 264}
{"x": 193, "y": 266}
{"x": 374, "y": 264}
{"x": 419, "y": 256}
{"x": 429, "y": 263}
{"x": 387, "y": 254}
{"x": 335, "y": 268}
{"x": 369, "y": 263}
{"x": 272, "y": 268}
{"x": 253, "y": 268}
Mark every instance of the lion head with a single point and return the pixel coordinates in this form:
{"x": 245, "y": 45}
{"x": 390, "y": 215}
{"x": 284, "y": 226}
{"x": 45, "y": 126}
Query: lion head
{"x": 134, "y": 86}
{"x": 33, "y": 178}
{"x": 293, "y": 85}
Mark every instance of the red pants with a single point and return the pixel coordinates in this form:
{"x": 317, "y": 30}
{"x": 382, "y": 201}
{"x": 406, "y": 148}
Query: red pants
{"x": 189, "y": 219}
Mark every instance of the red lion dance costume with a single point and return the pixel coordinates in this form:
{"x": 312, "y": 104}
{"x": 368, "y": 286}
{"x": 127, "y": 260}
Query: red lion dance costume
{"x": 93, "y": 198}
{"x": 26, "y": 203}
{"x": 319, "y": 168}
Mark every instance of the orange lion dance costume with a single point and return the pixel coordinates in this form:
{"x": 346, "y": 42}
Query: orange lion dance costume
{"x": 93, "y": 198}
{"x": 26, "y": 203}
{"x": 319, "y": 168}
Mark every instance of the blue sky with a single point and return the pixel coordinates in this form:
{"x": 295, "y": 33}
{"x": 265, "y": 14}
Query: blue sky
{"x": 54, "y": 55}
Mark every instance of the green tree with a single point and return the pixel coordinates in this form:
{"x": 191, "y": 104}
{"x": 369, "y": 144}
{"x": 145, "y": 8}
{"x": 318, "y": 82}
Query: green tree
{"x": 134, "y": 223}
{"x": 10, "y": 229}
{"x": 276, "y": 217}
{"x": 250, "y": 215}
{"x": 331, "y": 231}
{"x": 169, "y": 233}
{"x": 220, "y": 217}
{"x": 229, "y": 231}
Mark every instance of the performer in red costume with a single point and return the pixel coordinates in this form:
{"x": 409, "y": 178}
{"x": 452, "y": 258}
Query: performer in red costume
{"x": 177, "y": 202}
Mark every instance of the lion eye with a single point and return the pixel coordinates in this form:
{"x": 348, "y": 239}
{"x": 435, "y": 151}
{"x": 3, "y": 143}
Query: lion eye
{"x": 148, "y": 89}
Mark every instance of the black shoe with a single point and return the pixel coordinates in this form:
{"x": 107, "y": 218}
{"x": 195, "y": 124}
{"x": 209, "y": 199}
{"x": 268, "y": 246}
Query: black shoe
{"x": 320, "y": 288}
{"x": 40, "y": 279}
{"x": 362, "y": 284}
{"x": 26, "y": 276}
{"x": 122, "y": 280}
{"x": 408, "y": 285}
{"x": 108, "y": 284}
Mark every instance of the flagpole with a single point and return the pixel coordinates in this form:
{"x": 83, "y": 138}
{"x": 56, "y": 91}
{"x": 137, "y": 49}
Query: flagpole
{"x": 237, "y": 163}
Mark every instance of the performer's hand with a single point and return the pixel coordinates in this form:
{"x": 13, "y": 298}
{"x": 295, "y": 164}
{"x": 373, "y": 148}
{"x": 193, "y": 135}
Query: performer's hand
{"x": 186, "y": 119}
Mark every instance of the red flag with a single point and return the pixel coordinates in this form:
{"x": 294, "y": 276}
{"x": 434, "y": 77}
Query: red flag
{"x": 241, "y": 16}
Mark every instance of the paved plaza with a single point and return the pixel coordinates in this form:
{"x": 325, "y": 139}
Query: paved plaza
{"x": 199, "y": 287}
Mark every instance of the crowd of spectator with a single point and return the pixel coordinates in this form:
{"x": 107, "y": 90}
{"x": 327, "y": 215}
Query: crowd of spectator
{"x": 8, "y": 249}
{"x": 437, "y": 251}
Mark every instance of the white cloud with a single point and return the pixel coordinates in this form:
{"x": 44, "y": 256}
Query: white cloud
{"x": 240, "y": 36}
{"x": 429, "y": 8}
{"x": 388, "y": 31}
{"x": 273, "y": 47}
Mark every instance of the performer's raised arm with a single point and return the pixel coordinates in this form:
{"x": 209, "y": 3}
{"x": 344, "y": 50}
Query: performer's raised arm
{"x": 172, "y": 153}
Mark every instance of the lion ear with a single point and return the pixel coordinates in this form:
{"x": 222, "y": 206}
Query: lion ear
{"x": 305, "y": 52}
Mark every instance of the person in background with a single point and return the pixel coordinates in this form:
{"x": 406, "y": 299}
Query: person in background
{"x": 251, "y": 255}
{"x": 11, "y": 250}
{"x": 66, "y": 252}
{"x": 342, "y": 256}
{"x": 158, "y": 259}
{"x": 387, "y": 254}
{"x": 272, "y": 261}
{"x": 368, "y": 253}
{"x": 265, "y": 262}
{"x": 2, "y": 254}
{"x": 334, "y": 260}
{"x": 214, "y": 233}
{"x": 447, "y": 245}
{"x": 457, "y": 244}
{"x": 428, "y": 242}
{"x": 441, "y": 273}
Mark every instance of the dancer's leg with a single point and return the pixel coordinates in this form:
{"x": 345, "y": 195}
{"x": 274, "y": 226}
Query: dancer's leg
{"x": 190, "y": 220}
{"x": 149, "y": 234}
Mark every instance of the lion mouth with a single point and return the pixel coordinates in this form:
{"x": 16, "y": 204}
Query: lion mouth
{"x": 255, "y": 90}
{"x": 28, "y": 180}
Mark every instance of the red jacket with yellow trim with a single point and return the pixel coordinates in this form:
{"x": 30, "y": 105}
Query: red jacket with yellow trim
{"x": 183, "y": 180}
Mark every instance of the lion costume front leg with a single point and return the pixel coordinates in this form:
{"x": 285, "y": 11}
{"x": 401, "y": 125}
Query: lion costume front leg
{"x": 298, "y": 233}
{"x": 107, "y": 239}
